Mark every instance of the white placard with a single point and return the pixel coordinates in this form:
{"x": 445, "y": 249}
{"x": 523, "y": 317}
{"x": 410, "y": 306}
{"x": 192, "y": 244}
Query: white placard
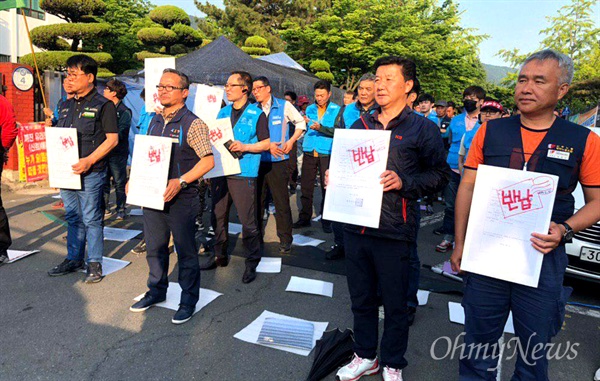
{"x": 302, "y": 240}
{"x": 149, "y": 171}
{"x": 354, "y": 193}
{"x": 174, "y": 297}
{"x": 219, "y": 132}
{"x": 153, "y": 70}
{"x": 508, "y": 205}
{"x": 207, "y": 102}
{"x": 269, "y": 265}
{"x": 120, "y": 235}
{"x": 251, "y": 332}
{"x": 310, "y": 286}
{"x": 63, "y": 152}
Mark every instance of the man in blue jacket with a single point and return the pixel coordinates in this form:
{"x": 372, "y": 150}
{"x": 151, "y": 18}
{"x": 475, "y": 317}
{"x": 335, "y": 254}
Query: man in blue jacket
{"x": 473, "y": 97}
{"x": 251, "y": 134}
{"x": 380, "y": 257}
{"x": 320, "y": 118}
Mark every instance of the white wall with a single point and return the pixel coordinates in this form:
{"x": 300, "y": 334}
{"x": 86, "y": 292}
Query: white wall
{"x": 13, "y": 35}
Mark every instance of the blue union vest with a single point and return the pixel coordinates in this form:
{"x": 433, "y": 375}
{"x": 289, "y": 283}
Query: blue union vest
{"x": 314, "y": 140}
{"x": 351, "y": 114}
{"x": 277, "y": 129}
{"x": 183, "y": 157}
{"x": 245, "y": 132}
{"x": 457, "y": 128}
{"x": 503, "y": 147}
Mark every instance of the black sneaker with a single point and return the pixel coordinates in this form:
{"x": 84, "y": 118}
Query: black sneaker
{"x": 94, "y": 272}
{"x": 67, "y": 266}
{"x": 249, "y": 274}
{"x": 336, "y": 252}
{"x": 301, "y": 224}
{"x": 183, "y": 314}
{"x": 140, "y": 248}
{"x": 3, "y": 258}
{"x": 146, "y": 302}
{"x": 327, "y": 227}
{"x": 285, "y": 248}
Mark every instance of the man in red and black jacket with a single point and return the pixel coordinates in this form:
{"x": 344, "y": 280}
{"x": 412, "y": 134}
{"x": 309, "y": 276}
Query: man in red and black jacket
{"x": 9, "y": 131}
{"x": 416, "y": 166}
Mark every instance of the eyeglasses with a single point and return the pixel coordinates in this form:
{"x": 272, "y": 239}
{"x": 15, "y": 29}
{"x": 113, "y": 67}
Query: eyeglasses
{"x": 168, "y": 89}
{"x": 490, "y": 112}
{"x": 257, "y": 88}
{"x": 228, "y": 85}
{"x": 73, "y": 75}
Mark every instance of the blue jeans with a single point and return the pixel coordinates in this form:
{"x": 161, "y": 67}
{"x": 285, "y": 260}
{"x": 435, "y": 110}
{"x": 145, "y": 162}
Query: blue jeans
{"x": 538, "y": 315}
{"x": 117, "y": 169}
{"x": 450, "y": 200}
{"x": 84, "y": 217}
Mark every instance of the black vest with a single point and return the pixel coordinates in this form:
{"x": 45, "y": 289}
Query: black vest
{"x": 183, "y": 157}
{"x": 122, "y": 147}
{"x": 503, "y": 147}
{"x": 85, "y": 116}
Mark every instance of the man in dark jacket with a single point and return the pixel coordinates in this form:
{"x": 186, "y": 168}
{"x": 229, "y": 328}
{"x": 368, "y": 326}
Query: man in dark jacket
{"x": 416, "y": 166}
{"x": 116, "y": 91}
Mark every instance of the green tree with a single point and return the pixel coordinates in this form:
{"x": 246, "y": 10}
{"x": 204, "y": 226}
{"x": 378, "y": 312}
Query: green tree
{"x": 256, "y": 46}
{"x": 322, "y": 70}
{"x": 352, "y": 34}
{"x": 572, "y": 32}
{"x": 241, "y": 19}
{"x": 168, "y": 31}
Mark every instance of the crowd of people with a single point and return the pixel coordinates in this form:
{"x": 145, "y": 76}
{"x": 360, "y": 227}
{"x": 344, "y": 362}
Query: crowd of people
{"x": 435, "y": 149}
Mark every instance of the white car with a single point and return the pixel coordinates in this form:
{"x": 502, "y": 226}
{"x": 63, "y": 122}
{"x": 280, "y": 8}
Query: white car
{"x": 584, "y": 251}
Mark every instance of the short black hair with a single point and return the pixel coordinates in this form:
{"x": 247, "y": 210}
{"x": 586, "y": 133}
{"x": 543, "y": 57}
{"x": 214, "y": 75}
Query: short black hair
{"x": 86, "y": 63}
{"x": 184, "y": 79}
{"x": 246, "y": 79}
{"x": 350, "y": 92}
{"x": 323, "y": 84}
{"x": 425, "y": 97}
{"x": 451, "y": 104}
{"x": 291, "y": 94}
{"x": 118, "y": 87}
{"x": 263, "y": 79}
{"x": 478, "y": 91}
{"x": 409, "y": 68}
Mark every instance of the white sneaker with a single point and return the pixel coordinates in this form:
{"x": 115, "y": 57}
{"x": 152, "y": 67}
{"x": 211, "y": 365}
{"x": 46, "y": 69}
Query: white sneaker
{"x": 357, "y": 368}
{"x": 597, "y": 376}
{"x": 391, "y": 374}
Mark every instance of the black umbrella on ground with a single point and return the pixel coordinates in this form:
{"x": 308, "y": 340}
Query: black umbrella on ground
{"x": 332, "y": 350}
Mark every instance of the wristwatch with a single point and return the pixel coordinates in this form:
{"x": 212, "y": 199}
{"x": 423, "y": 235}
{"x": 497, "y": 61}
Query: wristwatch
{"x": 568, "y": 236}
{"x": 183, "y": 183}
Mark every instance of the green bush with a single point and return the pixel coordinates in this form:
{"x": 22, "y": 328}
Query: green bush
{"x": 324, "y": 75}
{"x": 157, "y": 36}
{"x": 320, "y": 65}
{"x": 178, "y": 49}
{"x": 145, "y": 54}
{"x": 57, "y": 60}
{"x": 253, "y": 51}
{"x": 257, "y": 42}
{"x": 169, "y": 15}
{"x": 47, "y": 36}
{"x": 73, "y": 10}
{"x": 105, "y": 73}
{"x": 187, "y": 35}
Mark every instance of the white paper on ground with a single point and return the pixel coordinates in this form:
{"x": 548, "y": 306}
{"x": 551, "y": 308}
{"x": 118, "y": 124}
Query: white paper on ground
{"x": 302, "y": 240}
{"x": 15, "y": 255}
{"x": 235, "y": 228}
{"x": 317, "y": 218}
{"x": 120, "y": 235}
{"x": 269, "y": 265}
{"x": 423, "y": 297}
{"x": 251, "y": 332}
{"x": 457, "y": 315}
{"x": 174, "y": 296}
{"x": 136, "y": 212}
{"x": 57, "y": 196}
{"x": 111, "y": 265}
{"x": 310, "y": 286}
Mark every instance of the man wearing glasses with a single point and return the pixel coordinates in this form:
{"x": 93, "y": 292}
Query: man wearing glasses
{"x": 95, "y": 119}
{"x": 191, "y": 158}
{"x": 274, "y": 171}
{"x": 251, "y": 134}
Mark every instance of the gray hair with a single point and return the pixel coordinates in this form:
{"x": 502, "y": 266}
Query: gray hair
{"x": 367, "y": 77}
{"x": 184, "y": 79}
{"x": 564, "y": 62}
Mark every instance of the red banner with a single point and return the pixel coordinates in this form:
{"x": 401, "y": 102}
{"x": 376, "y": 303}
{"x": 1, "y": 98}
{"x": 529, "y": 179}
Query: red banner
{"x": 33, "y": 160}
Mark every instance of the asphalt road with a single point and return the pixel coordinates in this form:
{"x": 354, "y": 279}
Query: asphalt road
{"x": 63, "y": 329}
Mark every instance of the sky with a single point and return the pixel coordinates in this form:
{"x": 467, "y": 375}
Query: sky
{"x": 508, "y": 23}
